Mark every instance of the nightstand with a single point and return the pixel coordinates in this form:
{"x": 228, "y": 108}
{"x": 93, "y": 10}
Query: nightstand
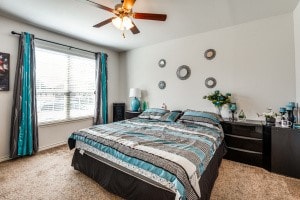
{"x": 130, "y": 114}
{"x": 248, "y": 142}
{"x": 286, "y": 151}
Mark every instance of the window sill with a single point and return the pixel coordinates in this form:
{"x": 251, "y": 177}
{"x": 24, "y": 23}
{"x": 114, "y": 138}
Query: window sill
{"x": 54, "y": 123}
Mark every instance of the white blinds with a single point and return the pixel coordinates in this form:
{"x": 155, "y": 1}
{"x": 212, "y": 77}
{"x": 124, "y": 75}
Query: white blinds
{"x": 65, "y": 85}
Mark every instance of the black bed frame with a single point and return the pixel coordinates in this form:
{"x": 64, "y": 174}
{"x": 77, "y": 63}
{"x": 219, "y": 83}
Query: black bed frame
{"x": 130, "y": 187}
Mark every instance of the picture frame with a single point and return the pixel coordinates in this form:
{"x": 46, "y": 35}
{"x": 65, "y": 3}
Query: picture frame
{"x": 4, "y": 71}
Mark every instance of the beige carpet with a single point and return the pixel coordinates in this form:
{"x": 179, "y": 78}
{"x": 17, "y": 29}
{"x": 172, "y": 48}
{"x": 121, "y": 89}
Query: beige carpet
{"x": 48, "y": 175}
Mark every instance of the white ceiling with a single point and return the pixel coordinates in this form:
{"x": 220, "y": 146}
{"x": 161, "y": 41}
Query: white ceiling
{"x": 75, "y": 18}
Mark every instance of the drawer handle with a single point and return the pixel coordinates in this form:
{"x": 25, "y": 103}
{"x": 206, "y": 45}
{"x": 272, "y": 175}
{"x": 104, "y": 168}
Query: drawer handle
{"x": 243, "y": 150}
{"x": 243, "y": 137}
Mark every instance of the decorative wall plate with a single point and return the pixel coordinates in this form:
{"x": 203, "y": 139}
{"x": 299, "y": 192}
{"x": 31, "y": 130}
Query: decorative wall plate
{"x": 183, "y": 72}
{"x": 210, "y": 54}
{"x": 210, "y": 82}
{"x": 162, "y": 85}
{"x": 162, "y": 63}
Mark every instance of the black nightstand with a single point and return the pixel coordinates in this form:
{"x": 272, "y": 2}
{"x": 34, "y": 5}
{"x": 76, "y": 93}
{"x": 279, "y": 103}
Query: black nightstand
{"x": 286, "y": 151}
{"x": 130, "y": 114}
{"x": 248, "y": 142}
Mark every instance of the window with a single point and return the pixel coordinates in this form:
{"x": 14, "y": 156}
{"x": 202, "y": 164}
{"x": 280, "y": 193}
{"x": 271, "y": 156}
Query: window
{"x": 65, "y": 85}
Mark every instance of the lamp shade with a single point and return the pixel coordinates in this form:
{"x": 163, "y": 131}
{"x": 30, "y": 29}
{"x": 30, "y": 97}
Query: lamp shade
{"x": 135, "y": 92}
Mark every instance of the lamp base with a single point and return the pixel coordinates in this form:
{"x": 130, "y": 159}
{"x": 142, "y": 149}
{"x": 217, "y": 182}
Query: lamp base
{"x": 135, "y": 104}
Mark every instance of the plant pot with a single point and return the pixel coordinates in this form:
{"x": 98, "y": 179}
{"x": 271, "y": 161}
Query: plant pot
{"x": 270, "y": 121}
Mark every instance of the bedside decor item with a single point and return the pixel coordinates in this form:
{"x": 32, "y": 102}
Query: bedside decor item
{"x": 282, "y": 111}
{"x": 210, "y": 82}
{"x": 270, "y": 117}
{"x": 290, "y": 110}
{"x": 232, "y": 108}
{"x": 135, "y": 93}
{"x": 242, "y": 116}
{"x": 286, "y": 124}
{"x": 162, "y": 85}
{"x": 4, "y": 71}
{"x": 162, "y": 63}
{"x": 218, "y": 99}
{"x": 210, "y": 54}
{"x": 183, "y": 72}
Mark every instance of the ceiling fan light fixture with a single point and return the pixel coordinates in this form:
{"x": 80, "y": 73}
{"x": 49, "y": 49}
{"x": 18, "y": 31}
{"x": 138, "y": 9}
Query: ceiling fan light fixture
{"x": 122, "y": 23}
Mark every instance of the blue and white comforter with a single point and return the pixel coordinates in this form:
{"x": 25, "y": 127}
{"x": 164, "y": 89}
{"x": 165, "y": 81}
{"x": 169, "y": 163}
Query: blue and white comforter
{"x": 171, "y": 154}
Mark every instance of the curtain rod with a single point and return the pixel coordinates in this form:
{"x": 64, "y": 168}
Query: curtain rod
{"x": 71, "y": 47}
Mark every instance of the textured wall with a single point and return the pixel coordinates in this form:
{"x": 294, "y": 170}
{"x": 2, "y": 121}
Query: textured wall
{"x": 254, "y": 61}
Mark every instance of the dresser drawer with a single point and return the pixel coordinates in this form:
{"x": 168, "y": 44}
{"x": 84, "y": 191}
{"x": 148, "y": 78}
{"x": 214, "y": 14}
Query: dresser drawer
{"x": 246, "y": 143}
{"x": 247, "y": 131}
{"x": 248, "y": 157}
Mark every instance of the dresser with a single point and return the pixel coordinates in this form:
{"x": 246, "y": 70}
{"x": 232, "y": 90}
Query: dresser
{"x": 286, "y": 151}
{"x": 248, "y": 142}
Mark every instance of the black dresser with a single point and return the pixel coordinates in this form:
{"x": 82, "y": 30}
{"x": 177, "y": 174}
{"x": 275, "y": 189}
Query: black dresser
{"x": 286, "y": 151}
{"x": 118, "y": 111}
{"x": 248, "y": 142}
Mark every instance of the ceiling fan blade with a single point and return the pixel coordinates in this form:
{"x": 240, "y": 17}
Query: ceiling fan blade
{"x": 150, "y": 16}
{"x": 103, "y": 23}
{"x": 134, "y": 29}
{"x": 128, "y": 4}
{"x": 100, "y": 6}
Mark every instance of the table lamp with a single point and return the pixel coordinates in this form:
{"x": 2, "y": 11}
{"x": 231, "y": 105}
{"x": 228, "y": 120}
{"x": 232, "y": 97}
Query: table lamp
{"x": 135, "y": 93}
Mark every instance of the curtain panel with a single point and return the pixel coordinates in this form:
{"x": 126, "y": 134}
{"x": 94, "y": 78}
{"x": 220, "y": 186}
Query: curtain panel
{"x": 24, "y": 126}
{"x": 101, "y": 107}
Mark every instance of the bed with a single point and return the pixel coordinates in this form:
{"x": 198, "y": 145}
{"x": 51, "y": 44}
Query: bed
{"x": 151, "y": 157}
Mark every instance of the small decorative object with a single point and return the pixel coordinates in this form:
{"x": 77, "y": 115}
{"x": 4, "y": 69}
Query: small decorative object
{"x": 135, "y": 93}
{"x": 282, "y": 111}
{"x": 210, "y": 82}
{"x": 218, "y": 99}
{"x": 210, "y": 54}
{"x": 164, "y": 106}
{"x": 162, "y": 63}
{"x": 290, "y": 110}
{"x": 270, "y": 117}
{"x": 162, "y": 85}
{"x": 242, "y": 116}
{"x": 286, "y": 124}
{"x": 232, "y": 108}
{"x": 183, "y": 72}
{"x": 144, "y": 106}
{"x": 4, "y": 71}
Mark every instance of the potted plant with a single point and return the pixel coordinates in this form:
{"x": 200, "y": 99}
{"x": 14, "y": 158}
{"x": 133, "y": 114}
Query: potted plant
{"x": 218, "y": 99}
{"x": 270, "y": 117}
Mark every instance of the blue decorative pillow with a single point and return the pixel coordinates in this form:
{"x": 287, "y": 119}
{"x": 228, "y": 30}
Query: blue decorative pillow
{"x": 200, "y": 116}
{"x": 170, "y": 116}
{"x": 153, "y": 113}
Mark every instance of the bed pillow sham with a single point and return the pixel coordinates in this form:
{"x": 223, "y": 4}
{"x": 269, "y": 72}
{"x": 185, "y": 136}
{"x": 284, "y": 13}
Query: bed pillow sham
{"x": 201, "y": 116}
{"x": 153, "y": 113}
{"x": 171, "y": 116}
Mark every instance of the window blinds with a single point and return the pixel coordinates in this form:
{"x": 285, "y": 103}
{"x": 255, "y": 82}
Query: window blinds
{"x": 65, "y": 85}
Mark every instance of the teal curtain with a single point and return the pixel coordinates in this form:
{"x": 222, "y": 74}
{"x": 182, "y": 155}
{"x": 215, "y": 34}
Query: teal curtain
{"x": 24, "y": 129}
{"x": 101, "y": 107}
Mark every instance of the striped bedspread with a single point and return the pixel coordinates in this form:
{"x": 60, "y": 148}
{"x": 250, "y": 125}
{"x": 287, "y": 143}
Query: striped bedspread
{"x": 171, "y": 154}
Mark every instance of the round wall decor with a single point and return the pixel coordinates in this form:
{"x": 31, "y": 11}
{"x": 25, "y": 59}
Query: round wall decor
{"x": 162, "y": 63}
{"x": 162, "y": 85}
{"x": 183, "y": 72}
{"x": 210, "y": 82}
{"x": 210, "y": 54}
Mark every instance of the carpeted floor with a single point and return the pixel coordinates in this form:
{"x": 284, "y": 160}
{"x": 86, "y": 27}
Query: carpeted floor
{"x": 48, "y": 175}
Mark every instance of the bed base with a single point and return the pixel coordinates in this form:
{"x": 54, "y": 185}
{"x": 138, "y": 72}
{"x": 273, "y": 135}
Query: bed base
{"x": 130, "y": 187}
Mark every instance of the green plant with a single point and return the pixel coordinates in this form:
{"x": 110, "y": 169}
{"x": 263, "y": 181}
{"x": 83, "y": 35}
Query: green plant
{"x": 218, "y": 99}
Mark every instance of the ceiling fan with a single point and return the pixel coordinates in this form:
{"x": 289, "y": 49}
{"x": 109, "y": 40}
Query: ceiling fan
{"x": 123, "y": 14}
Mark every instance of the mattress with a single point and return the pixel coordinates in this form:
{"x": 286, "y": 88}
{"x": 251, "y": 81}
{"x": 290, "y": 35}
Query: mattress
{"x": 170, "y": 156}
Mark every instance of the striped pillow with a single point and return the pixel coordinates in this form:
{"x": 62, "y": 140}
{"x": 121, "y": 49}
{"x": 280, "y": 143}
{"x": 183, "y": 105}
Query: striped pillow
{"x": 200, "y": 116}
{"x": 153, "y": 113}
{"x": 170, "y": 116}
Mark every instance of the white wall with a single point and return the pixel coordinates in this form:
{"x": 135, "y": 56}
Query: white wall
{"x": 297, "y": 49}
{"x": 255, "y": 62}
{"x": 54, "y": 134}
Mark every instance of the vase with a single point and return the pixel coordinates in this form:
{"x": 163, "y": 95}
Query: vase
{"x": 218, "y": 110}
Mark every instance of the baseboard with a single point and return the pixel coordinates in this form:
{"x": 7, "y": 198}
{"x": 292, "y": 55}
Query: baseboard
{"x": 52, "y": 145}
{"x": 5, "y": 158}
